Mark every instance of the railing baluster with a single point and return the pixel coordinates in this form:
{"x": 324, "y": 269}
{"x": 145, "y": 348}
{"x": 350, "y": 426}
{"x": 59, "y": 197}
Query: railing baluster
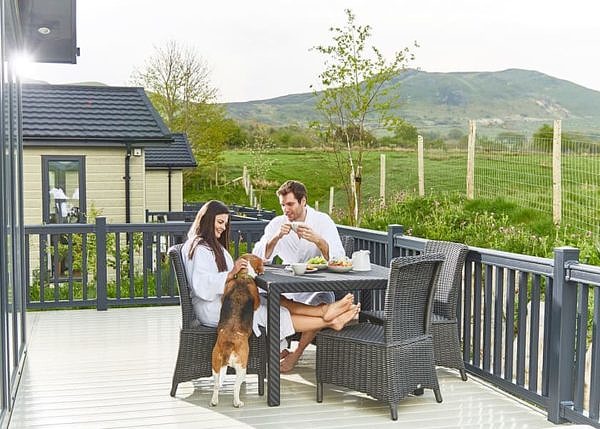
{"x": 468, "y": 287}
{"x": 535, "y": 333}
{"x": 498, "y": 316}
{"x": 522, "y": 328}
{"x": 487, "y": 318}
{"x": 594, "y": 383}
{"x": 477, "y": 316}
{"x": 509, "y": 334}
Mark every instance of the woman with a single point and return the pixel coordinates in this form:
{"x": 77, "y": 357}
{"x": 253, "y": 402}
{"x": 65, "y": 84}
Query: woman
{"x": 209, "y": 266}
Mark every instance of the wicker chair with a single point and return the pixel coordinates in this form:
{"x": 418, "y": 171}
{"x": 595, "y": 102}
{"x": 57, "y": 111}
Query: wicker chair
{"x": 389, "y": 361}
{"x": 197, "y": 341}
{"x": 444, "y": 323}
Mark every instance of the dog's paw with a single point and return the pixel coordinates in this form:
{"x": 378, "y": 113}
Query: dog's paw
{"x": 213, "y": 404}
{"x": 239, "y": 404}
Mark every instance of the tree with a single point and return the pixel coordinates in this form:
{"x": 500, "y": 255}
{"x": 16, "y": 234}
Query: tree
{"x": 259, "y": 146}
{"x": 177, "y": 80}
{"x": 357, "y": 86}
{"x": 543, "y": 138}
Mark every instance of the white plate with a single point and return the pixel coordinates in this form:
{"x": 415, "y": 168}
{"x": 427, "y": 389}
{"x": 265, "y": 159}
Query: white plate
{"x": 318, "y": 266}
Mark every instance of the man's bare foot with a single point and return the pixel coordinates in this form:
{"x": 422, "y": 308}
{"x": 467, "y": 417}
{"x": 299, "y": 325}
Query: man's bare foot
{"x": 287, "y": 364}
{"x": 331, "y": 311}
{"x": 283, "y": 354}
{"x": 339, "y": 322}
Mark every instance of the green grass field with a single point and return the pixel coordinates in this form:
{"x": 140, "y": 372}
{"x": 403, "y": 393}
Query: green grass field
{"x": 525, "y": 179}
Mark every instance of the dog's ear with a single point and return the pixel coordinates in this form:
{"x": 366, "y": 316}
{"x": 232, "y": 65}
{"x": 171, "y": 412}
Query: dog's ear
{"x": 256, "y": 262}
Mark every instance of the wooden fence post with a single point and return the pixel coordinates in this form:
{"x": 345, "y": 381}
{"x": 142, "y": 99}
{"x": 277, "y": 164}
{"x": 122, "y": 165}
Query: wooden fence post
{"x": 556, "y": 173}
{"x": 471, "y": 160}
{"x": 245, "y": 179}
{"x": 421, "y": 166}
{"x": 382, "y": 179}
{"x": 330, "y": 199}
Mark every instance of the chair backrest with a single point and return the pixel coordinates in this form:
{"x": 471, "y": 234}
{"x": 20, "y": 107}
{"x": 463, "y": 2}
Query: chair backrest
{"x": 348, "y": 244}
{"x": 450, "y": 280}
{"x": 409, "y": 296}
{"x": 188, "y": 318}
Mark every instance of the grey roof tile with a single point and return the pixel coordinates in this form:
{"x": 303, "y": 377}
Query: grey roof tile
{"x": 90, "y": 113}
{"x": 176, "y": 154}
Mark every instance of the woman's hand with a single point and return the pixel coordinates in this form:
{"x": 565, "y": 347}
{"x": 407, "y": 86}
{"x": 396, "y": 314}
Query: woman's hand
{"x": 239, "y": 265}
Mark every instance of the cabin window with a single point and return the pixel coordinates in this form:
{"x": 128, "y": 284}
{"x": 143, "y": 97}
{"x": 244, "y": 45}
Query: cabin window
{"x": 64, "y": 181}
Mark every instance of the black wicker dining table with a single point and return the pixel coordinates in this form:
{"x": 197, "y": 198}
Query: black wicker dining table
{"x": 276, "y": 280}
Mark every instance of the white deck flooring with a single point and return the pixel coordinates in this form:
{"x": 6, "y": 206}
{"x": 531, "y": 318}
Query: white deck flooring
{"x": 112, "y": 369}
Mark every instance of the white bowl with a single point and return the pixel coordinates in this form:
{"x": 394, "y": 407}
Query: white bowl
{"x": 339, "y": 268}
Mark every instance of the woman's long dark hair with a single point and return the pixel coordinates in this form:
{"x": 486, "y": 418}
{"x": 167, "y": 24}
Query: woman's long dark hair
{"x": 202, "y": 232}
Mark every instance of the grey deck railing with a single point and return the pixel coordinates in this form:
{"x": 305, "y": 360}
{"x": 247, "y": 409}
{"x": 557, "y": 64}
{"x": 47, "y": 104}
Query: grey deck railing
{"x": 528, "y": 325}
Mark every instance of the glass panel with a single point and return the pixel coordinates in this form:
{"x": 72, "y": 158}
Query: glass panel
{"x": 63, "y": 181}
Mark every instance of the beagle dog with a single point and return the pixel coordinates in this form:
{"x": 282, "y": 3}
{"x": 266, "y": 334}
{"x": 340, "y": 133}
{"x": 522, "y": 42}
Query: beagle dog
{"x": 240, "y": 300}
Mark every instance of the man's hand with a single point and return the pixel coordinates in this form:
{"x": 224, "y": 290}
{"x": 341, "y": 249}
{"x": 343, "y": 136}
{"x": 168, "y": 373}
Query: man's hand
{"x": 306, "y": 232}
{"x": 284, "y": 230}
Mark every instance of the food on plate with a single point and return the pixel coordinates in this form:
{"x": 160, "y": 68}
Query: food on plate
{"x": 342, "y": 261}
{"x": 317, "y": 260}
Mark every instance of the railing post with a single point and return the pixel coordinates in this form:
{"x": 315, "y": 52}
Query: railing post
{"x": 393, "y": 252}
{"x": 562, "y": 335}
{"x": 101, "y": 299}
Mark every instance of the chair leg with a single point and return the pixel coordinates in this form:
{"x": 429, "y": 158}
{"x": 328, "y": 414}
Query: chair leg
{"x": 261, "y": 385}
{"x": 394, "y": 411}
{"x": 319, "y": 392}
{"x": 463, "y": 374}
{"x": 174, "y": 388}
{"x": 438, "y": 395}
{"x": 419, "y": 391}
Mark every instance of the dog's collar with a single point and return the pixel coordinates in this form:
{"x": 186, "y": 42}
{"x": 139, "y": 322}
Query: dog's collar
{"x": 243, "y": 276}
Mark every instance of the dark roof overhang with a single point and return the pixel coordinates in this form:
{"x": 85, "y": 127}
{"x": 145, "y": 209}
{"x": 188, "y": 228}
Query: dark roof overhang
{"x": 49, "y": 30}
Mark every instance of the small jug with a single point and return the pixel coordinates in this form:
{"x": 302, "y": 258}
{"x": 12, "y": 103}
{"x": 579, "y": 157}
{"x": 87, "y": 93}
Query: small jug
{"x": 361, "y": 261}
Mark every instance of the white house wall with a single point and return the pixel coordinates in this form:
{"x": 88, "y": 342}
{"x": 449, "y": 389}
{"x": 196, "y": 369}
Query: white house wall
{"x": 157, "y": 190}
{"x": 105, "y": 186}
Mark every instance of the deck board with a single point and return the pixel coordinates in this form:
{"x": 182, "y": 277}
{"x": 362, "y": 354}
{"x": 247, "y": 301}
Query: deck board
{"x": 112, "y": 369}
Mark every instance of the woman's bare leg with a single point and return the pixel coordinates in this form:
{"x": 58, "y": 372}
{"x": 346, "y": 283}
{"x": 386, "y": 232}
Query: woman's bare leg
{"x": 303, "y": 323}
{"x": 326, "y": 311}
{"x": 309, "y": 326}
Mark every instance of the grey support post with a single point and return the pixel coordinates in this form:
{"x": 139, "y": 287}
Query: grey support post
{"x": 562, "y": 334}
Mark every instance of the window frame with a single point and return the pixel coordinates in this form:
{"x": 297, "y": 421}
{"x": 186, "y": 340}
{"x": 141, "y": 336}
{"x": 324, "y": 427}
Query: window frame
{"x": 46, "y": 159}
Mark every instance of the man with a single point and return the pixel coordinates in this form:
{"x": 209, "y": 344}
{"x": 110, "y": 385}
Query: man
{"x": 315, "y": 235}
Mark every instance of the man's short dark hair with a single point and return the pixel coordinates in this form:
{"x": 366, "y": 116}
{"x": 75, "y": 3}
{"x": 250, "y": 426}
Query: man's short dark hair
{"x": 295, "y": 187}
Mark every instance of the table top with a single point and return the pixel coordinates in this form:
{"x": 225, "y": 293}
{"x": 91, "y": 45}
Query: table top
{"x": 277, "y": 279}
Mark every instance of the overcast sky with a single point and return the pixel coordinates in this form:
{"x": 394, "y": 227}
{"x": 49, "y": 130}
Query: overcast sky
{"x": 260, "y": 49}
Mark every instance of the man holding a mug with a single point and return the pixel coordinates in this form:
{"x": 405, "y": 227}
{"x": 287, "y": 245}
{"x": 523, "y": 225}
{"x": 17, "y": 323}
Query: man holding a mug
{"x": 299, "y": 234}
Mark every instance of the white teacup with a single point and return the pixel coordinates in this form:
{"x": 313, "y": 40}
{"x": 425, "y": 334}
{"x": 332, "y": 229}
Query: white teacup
{"x": 296, "y": 225}
{"x": 299, "y": 268}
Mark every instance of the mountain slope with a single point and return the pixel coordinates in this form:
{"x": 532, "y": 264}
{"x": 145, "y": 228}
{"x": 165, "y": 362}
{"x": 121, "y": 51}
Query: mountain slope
{"x": 514, "y": 99}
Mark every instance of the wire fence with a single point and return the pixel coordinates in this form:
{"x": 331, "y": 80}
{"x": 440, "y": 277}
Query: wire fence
{"x": 520, "y": 169}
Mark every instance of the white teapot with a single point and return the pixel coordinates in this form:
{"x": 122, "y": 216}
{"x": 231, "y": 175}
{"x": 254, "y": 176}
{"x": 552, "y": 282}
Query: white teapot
{"x": 361, "y": 261}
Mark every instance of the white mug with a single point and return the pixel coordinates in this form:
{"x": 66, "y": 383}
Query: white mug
{"x": 299, "y": 268}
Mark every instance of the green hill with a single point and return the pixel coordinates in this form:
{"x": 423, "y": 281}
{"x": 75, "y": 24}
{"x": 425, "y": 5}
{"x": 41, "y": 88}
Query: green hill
{"x": 509, "y": 100}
